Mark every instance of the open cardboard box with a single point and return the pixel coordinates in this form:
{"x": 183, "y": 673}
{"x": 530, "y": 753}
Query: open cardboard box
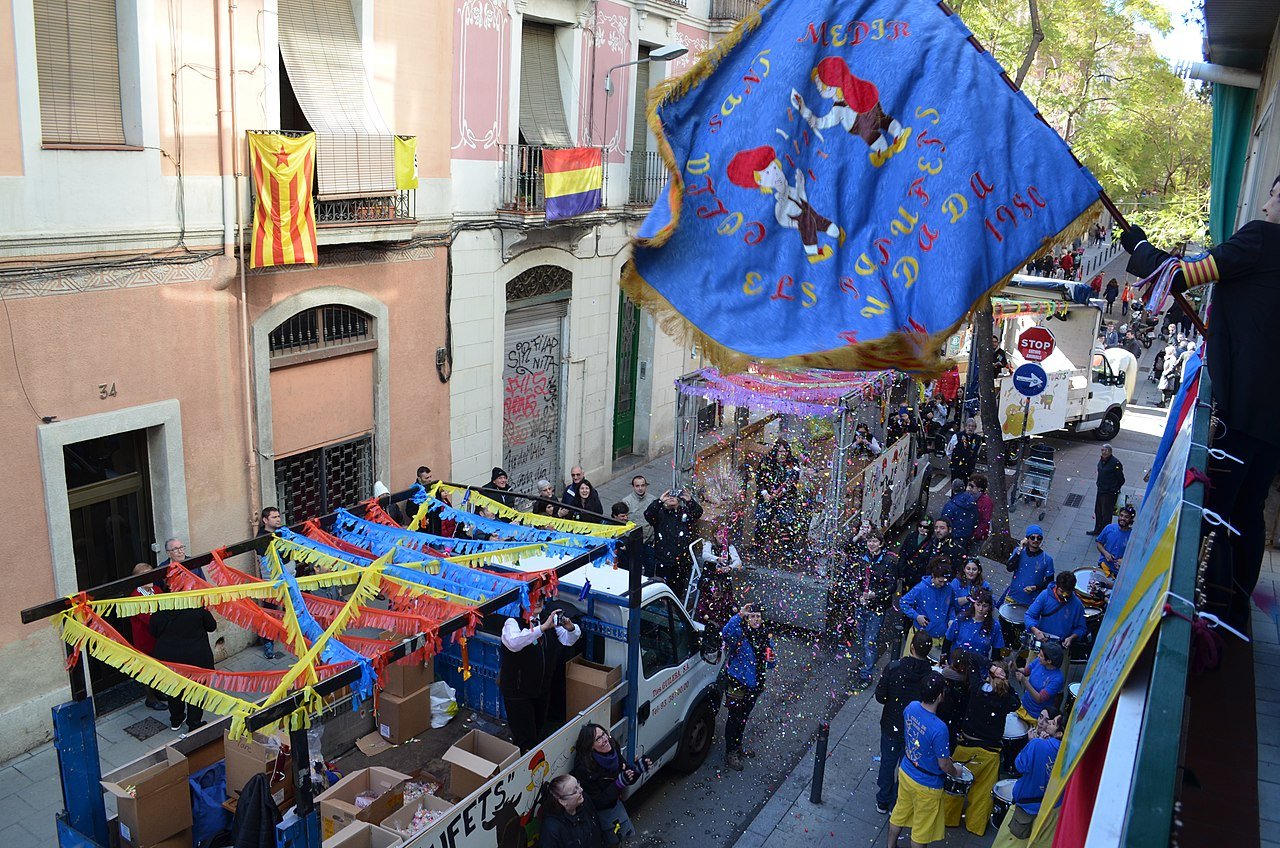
{"x": 338, "y": 803}
{"x": 256, "y": 755}
{"x": 401, "y": 821}
{"x": 586, "y": 682}
{"x": 153, "y": 800}
{"x": 362, "y": 835}
{"x": 474, "y": 759}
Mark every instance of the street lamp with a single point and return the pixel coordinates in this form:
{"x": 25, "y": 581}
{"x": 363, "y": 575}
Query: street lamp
{"x": 666, "y": 53}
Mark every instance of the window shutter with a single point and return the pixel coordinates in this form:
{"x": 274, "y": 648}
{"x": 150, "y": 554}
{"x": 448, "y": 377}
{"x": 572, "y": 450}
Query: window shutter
{"x": 542, "y": 119}
{"x": 640, "y": 129}
{"x": 355, "y": 152}
{"x": 78, "y": 66}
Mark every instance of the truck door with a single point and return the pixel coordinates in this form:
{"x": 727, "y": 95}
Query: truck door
{"x": 668, "y": 653}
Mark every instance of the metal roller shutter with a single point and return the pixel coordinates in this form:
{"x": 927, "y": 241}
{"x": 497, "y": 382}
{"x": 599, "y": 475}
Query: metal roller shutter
{"x": 532, "y": 393}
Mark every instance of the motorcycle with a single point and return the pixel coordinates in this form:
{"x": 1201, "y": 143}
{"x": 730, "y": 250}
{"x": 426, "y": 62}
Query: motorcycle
{"x": 1143, "y": 326}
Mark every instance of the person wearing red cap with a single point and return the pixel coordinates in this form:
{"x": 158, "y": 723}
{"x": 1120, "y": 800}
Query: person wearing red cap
{"x": 856, "y": 108}
{"x": 759, "y": 168}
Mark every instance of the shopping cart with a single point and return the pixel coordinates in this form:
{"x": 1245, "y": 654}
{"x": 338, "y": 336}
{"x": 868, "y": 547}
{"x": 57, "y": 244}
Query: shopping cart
{"x": 1037, "y": 477}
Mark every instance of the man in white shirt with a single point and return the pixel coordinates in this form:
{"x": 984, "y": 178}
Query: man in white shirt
{"x": 527, "y": 668}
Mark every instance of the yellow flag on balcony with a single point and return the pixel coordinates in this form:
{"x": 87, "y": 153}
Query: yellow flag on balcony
{"x": 284, "y": 218}
{"x": 406, "y": 162}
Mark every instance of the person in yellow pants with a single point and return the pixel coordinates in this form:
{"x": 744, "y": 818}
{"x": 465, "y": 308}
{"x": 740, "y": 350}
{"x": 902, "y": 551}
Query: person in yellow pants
{"x": 926, "y": 757}
{"x": 981, "y": 735}
{"x": 1034, "y": 765}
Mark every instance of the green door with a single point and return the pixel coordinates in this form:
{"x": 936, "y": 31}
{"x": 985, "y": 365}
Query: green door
{"x": 624, "y": 403}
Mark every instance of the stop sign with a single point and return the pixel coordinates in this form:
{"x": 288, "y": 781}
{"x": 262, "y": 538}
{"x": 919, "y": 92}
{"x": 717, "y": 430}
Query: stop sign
{"x": 1036, "y": 343}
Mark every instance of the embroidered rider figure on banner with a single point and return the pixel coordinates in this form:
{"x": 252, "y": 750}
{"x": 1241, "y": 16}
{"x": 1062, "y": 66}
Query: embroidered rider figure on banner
{"x": 856, "y": 108}
{"x": 760, "y": 168}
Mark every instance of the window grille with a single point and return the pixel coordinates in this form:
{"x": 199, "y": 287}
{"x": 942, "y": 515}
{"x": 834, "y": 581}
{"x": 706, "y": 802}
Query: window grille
{"x": 316, "y": 482}
{"x": 325, "y": 328}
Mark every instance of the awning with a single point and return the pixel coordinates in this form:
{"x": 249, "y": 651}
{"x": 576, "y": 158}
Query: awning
{"x": 355, "y": 152}
{"x": 1232, "y": 125}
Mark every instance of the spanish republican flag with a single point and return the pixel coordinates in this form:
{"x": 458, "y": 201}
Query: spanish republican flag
{"x": 573, "y": 181}
{"x": 284, "y": 219}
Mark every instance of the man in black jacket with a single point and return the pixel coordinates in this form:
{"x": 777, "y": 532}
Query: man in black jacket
{"x": 674, "y": 517}
{"x": 1110, "y": 480}
{"x": 526, "y": 668}
{"x": 898, "y": 686}
{"x": 499, "y": 488}
{"x": 1239, "y": 355}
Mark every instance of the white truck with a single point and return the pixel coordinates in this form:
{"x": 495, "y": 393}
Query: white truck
{"x": 1089, "y": 388}
{"x": 674, "y": 713}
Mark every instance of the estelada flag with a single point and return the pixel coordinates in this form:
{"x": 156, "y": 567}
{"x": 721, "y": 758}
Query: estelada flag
{"x": 848, "y": 180}
{"x": 573, "y": 181}
{"x": 284, "y": 220}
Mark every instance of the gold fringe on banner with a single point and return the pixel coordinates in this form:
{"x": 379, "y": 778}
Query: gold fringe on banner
{"x": 194, "y": 599}
{"x": 917, "y": 353}
{"x": 532, "y": 519}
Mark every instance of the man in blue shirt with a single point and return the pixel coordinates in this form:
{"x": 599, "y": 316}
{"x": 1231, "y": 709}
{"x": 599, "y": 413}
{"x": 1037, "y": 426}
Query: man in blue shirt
{"x": 926, "y": 758}
{"x": 932, "y": 603}
{"x": 1034, "y": 764}
{"x": 1042, "y": 683}
{"x": 1057, "y": 613}
{"x": 1031, "y": 567}
{"x": 1114, "y": 540}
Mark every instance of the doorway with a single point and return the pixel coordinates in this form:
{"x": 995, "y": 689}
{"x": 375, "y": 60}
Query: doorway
{"x": 112, "y": 528}
{"x": 624, "y": 402}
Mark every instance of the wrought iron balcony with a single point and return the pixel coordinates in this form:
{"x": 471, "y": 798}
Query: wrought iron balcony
{"x": 732, "y": 10}
{"x": 648, "y": 176}
{"x": 521, "y": 179}
{"x": 389, "y": 206}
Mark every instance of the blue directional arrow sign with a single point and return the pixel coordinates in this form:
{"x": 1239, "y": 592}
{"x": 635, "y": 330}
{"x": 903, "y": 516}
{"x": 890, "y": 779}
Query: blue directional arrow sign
{"x": 1030, "y": 380}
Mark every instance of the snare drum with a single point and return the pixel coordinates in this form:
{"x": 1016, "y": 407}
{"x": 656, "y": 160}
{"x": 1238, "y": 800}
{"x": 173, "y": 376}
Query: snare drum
{"x": 1001, "y": 801}
{"x": 1015, "y": 739}
{"x": 1081, "y": 648}
{"x": 953, "y": 785}
{"x": 1012, "y": 623}
{"x": 1092, "y": 597}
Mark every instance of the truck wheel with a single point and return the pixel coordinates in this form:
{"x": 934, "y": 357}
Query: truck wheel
{"x": 1109, "y": 428}
{"x": 695, "y": 741}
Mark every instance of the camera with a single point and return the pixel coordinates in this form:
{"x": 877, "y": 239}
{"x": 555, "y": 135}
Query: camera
{"x": 678, "y": 493}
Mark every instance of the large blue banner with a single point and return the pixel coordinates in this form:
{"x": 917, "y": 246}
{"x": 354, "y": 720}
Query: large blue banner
{"x": 848, "y": 179}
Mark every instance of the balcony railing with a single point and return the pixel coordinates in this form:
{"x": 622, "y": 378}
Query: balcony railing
{"x": 648, "y": 176}
{"x": 394, "y": 206}
{"x": 521, "y": 179}
{"x": 732, "y": 10}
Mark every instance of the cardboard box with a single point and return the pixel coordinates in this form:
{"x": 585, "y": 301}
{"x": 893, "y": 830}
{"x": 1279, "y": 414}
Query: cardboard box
{"x": 255, "y": 755}
{"x": 363, "y": 835}
{"x": 405, "y": 678}
{"x": 587, "y": 682}
{"x": 401, "y": 719}
{"x": 401, "y": 821}
{"x": 153, "y": 799}
{"x": 338, "y": 803}
{"x": 474, "y": 759}
{"x": 180, "y": 840}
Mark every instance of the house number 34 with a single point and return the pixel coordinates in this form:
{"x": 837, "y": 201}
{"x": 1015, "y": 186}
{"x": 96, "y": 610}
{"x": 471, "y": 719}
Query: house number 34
{"x": 106, "y": 390}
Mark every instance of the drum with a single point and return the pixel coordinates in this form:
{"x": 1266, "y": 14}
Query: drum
{"x": 1001, "y": 801}
{"x": 1012, "y": 623}
{"x": 1073, "y": 692}
{"x": 1015, "y": 739}
{"x": 952, "y": 785}
{"x": 1081, "y": 648}
{"x": 1093, "y": 597}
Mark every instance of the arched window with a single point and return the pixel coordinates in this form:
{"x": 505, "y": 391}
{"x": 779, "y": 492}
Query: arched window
{"x": 320, "y": 332}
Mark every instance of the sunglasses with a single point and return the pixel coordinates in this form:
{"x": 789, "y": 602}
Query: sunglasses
{"x": 1037, "y": 538}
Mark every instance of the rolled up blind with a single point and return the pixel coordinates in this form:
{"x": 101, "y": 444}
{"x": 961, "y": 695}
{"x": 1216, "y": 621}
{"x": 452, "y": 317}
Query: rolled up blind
{"x": 542, "y": 119}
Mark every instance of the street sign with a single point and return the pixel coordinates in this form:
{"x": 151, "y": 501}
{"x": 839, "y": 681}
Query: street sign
{"x": 1036, "y": 343}
{"x": 1030, "y": 379}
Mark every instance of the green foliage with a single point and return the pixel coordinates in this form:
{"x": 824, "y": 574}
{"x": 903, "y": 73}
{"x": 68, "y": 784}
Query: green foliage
{"x": 1098, "y": 81}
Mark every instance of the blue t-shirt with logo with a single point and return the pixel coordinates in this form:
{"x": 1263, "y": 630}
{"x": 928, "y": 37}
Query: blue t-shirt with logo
{"x": 926, "y": 740}
{"x": 1049, "y": 681}
{"x": 971, "y": 635}
{"x": 1034, "y": 763}
{"x": 1114, "y": 540}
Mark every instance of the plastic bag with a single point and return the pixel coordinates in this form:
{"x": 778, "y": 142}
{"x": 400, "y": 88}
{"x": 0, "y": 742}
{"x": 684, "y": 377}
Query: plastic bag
{"x": 208, "y": 788}
{"x": 443, "y": 704}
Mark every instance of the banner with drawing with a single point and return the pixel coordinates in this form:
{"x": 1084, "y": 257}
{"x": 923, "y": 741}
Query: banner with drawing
{"x": 1048, "y": 412}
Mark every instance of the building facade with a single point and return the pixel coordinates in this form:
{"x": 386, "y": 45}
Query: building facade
{"x": 153, "y": 387}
